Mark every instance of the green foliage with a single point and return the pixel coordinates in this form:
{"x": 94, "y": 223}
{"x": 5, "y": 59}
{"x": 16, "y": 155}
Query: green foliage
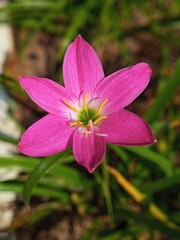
{"x": 153, "y": 171}
{"x": 165, "y": 96}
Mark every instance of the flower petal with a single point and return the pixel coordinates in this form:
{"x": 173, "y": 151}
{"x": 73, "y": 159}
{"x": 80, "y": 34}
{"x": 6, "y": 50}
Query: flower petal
{"x": 126, "y": 128}
{"x": 123, "y": 86}
{"x": 82, "y": 69}
{"x": 48, "y": 94}
{"x": 47, "y": 136}
{"x": 89, "y": 152}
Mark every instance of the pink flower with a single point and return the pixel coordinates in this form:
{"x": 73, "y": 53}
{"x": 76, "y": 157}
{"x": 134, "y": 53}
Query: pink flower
{"x": 89, "y": 111}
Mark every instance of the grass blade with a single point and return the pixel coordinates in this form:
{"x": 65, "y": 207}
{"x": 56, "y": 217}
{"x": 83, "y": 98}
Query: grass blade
{"x": 165, "y": 95}
{"x": 163, "y": 164}
{"x": 40, "y": 170}
{"x": 159, "y": 185}
{"x": 17, "y": 187}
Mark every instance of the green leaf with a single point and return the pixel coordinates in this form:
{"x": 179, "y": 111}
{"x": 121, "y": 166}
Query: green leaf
{"x": 95, "y": 226}
{"x": 80, "y": 17}
{"x": 149, "y": 222}
{"x": 114, "y": 235}
{"x": 67, "y": 177}
{"x": 159, "y": 185}
{"x": 43, "y": 210}
{"x": 17, "y": 186}
{"x": 106, "y": 190}
{"x": 12, "y": 85}
{"x": 176, "y": 217}
{"x": 20, "y": 162}
{"x": 161, "y": 162}
{"x": 164, "y": 96}
{"x": 40, "y": 170}
{"x": 59, "y": 175}
{"x": 8, "y": 139}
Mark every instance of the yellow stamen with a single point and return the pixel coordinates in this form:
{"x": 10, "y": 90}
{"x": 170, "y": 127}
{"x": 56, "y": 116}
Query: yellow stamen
{"x": 86, "y": 135}
{"x": 71, "y": 106}
{"x": 85, "y": 101}
{"x": 75, "y": 123}
{"x": 101, "y": 106}
{"x": 99, "y": 119}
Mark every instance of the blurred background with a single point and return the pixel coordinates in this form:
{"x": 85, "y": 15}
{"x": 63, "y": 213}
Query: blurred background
{"x": 134, "y": 194}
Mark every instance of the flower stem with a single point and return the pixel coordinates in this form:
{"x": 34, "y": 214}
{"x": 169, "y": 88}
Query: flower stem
{"x": 107, "y": 190}
{"x": 104, "y": 182}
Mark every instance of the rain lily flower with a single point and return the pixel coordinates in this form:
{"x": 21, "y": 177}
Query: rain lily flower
{"x": 89, "y": 111}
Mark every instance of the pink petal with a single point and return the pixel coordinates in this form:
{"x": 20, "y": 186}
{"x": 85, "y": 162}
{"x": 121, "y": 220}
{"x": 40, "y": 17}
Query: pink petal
{"x": 82, "y": 69}
{"x": 89, "y": 152}
{"x": 126, "y": 128}
{"x": 47, "y": 94}
{"x": 47, "y": 136}
{"x": 123, "y": 86}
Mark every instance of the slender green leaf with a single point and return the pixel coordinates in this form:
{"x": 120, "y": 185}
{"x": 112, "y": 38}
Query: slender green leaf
{"x": 28, "y": 163}
{"x": 8, "y": 139}
{"x": 37, "y": 191}
{"x": 176, "y": 217}
{"x": 78, "y": 20}
{"x": 21, "y": 162}
{"x": 106, "y": 191}
{"x": 59, "y": 175}
{"x": 159, "y": 185}
{"x": 113, "y": 236}
{"x": 43, "y": 210}
{"x": 149, "y": 222}
{"x": 11, "y": 84}
{"x": 95, "y": 226}
{"x": 40, "y": 170}
{"x": 68, "y": 177}
{"x": 164, "y": 96}
{"x": 164, "y": 164}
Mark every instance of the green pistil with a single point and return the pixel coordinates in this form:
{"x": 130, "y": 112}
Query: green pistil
{"x": 86, "y": 115}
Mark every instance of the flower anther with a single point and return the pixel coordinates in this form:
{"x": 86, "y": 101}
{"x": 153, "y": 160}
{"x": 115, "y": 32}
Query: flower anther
{"x": 88, "y": 116}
